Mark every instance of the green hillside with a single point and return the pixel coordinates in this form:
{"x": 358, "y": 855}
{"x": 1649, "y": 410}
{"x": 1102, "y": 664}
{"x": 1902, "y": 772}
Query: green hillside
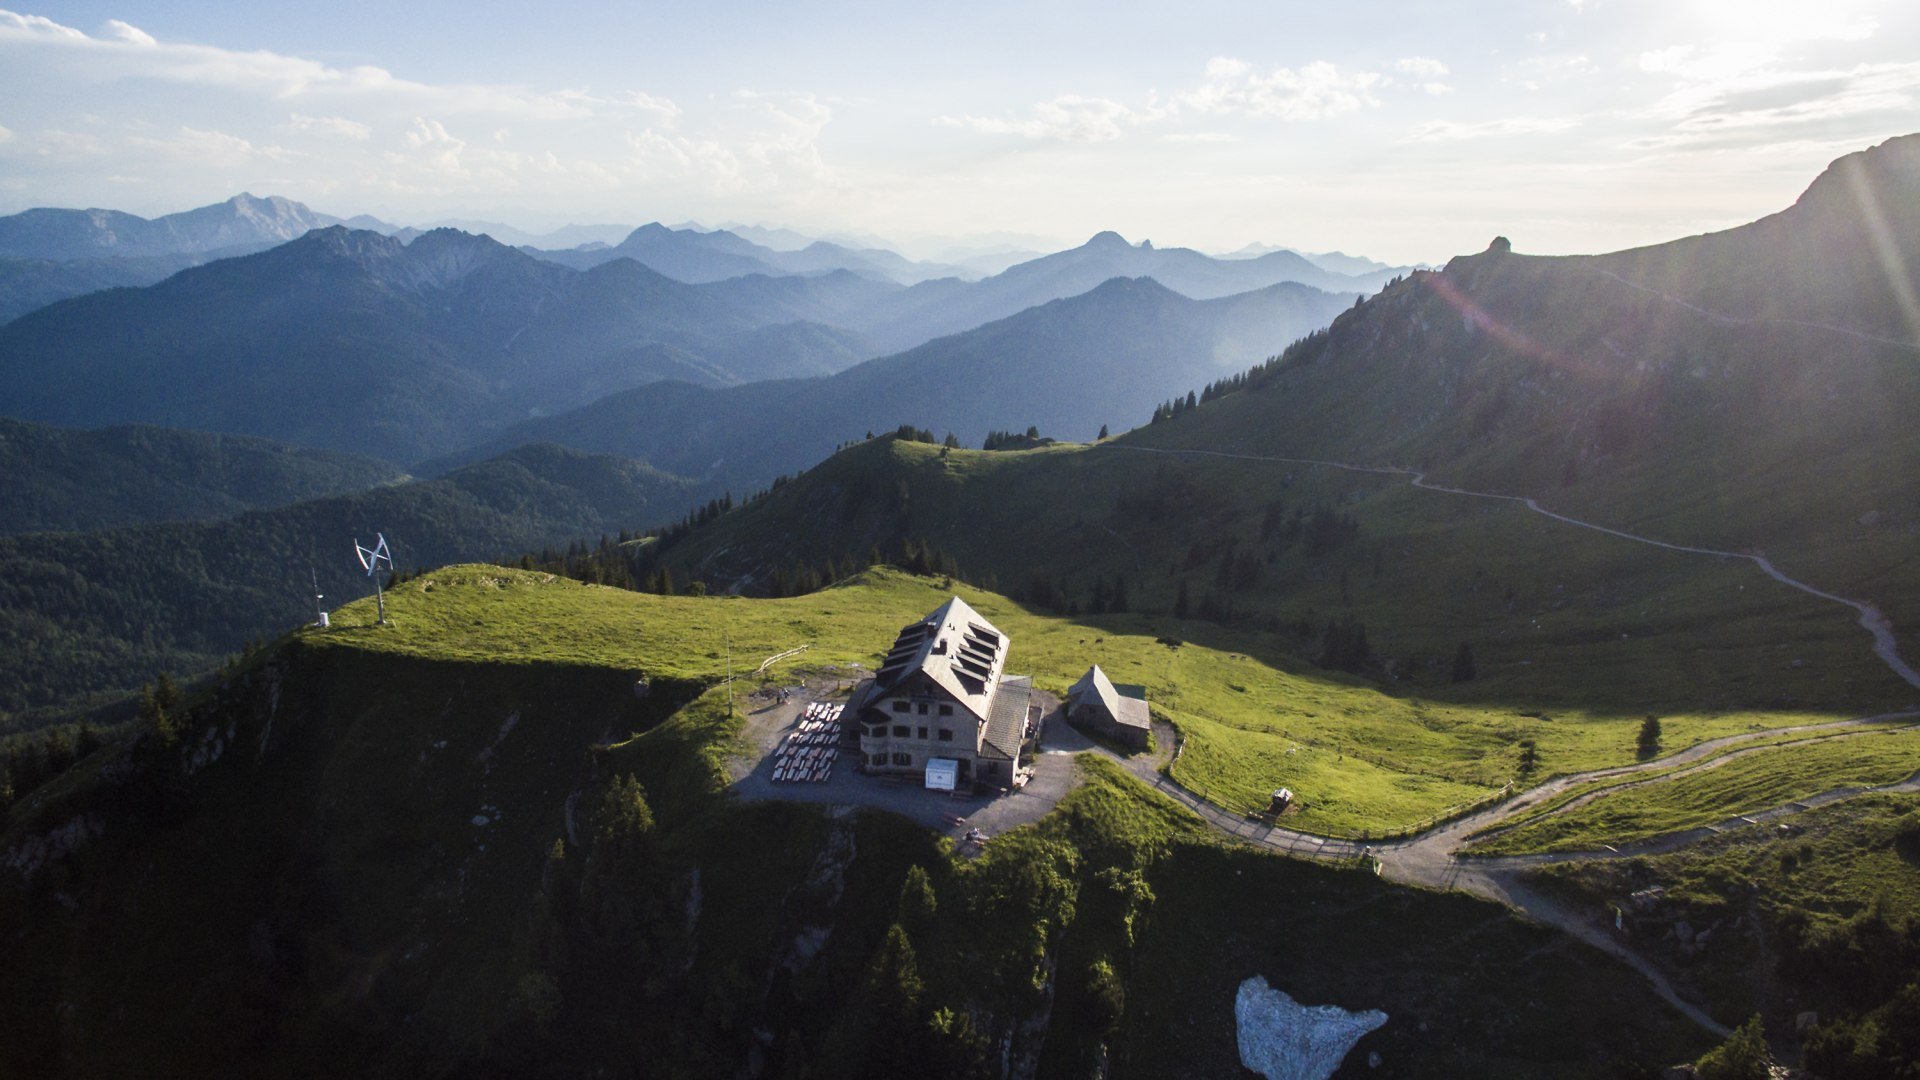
{"x": 1576, "y": 636}
{"x": 415, "y": 849}
{"x": 1744, "y": 390}
{"x": 58, "y": 480}
{"x": 84, "y": 617}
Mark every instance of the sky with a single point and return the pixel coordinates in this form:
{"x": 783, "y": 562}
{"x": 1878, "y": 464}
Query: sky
{"x": 1403, "y": 131}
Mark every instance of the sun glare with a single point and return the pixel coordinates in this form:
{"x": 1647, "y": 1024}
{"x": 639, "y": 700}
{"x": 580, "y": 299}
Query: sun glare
{"x": 1787, "y": 20}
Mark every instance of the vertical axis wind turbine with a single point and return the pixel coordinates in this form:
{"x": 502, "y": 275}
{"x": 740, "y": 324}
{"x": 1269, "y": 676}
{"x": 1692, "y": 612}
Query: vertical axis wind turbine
{"x": 370, "y": 560}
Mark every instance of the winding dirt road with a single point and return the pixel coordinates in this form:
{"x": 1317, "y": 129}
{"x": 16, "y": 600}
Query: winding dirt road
{"x": 1885, "y": 645}
{"x": 1433, "y": 858}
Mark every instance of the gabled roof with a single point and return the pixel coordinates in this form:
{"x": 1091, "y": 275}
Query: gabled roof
{"x": 955, "y": 647}
{"x": 1095, "y": 687}
{"x": 1007, "y": 726}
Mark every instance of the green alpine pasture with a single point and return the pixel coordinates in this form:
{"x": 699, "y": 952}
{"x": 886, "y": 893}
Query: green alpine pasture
{"x": 1741, "y": 784}
{"x": 1785, "y": 737}
{"x": 1249, "y": 716}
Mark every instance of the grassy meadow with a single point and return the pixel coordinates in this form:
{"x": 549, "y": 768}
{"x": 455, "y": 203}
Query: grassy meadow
{"x": 1761, "y": 780}
{"x": 1251, "y": 716}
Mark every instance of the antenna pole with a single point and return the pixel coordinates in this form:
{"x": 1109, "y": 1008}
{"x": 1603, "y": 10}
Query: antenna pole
{"x": 729, "y": 674}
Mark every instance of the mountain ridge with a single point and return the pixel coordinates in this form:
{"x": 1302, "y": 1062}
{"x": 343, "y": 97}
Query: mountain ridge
{"x": 1081, "y": 362}
{"x": 64, "y": 480}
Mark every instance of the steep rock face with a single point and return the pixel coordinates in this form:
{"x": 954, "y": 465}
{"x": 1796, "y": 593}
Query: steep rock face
{"x": 1282, "y": 1039}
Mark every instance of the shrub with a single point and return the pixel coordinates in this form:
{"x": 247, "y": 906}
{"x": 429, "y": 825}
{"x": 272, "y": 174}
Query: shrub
{"x": 1743, "y": 1056}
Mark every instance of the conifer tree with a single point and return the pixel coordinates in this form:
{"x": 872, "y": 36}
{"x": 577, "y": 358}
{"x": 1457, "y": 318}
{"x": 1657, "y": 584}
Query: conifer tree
{"x": 1649, "y": 740}
{"x": 157, "y": 701}
{"x": 1463, "y": 667}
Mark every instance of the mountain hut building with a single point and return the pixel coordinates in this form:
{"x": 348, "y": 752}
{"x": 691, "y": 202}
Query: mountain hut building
{"x": 942, "y": 704}
{"x": 1116, "y": 712}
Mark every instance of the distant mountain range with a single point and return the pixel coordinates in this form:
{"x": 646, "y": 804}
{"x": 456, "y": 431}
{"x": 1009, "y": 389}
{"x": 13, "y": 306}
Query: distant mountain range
{"x": 947, "y": 306}
{"x": 1337, "y": 262}
{"x": 698, "y": 256}
{"x": 1067, "y": 366}
{"x": 61, "y": 480}
{"x": 47, "y": 255}
{"x": 240, "y": 221}
{"x": 353, "y": 341}
{"x": 356, "y": 341}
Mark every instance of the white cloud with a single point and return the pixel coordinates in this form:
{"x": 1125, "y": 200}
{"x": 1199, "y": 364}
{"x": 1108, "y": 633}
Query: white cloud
{"x": 1751, "y": 85}
{"x": 55, "y": 143}
{"x": 203, "y": 147}
{"x": 770, "y": 141}
{"x": 434, "y": 149}
{"x": 1313, "y": 92}
{"x": 1453, "y": 131}
{"x": 132, "y": 35}
{"x": 634, "y": 100}
{"x": 330, "y": 125}
{"x": 1198, "y": 137}
{"x": 127, "y": 52}
{"x": 1774, "y": 98}
{"x": 1230, "y": 87}
{"x": 1068, "y": 118}
{"x": 35, "y": 26}
{"x": 1420, "y": 67}
{"x": 5, "y": 135}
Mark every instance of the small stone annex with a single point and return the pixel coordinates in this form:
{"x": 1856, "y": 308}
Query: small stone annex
{"x": 942, "y": 704}
{"x": 1113, "y": 712}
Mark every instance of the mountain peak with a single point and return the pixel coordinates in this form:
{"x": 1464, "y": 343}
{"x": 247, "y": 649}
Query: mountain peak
{"x": 1132, "y": 289}
{"x": 1107, "y": 239}
{"x": 342, "y": 242}
{"x": 1887, "y": 175}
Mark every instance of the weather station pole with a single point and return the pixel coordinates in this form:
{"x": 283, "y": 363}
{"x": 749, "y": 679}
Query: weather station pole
{"x": 319, "y": 613}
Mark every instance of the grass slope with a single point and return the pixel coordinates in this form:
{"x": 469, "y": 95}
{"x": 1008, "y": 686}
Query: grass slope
{"x": 1364, "y": 760}
{"x": 1759, "y": 781}
{"x": 1577, "y": 636}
